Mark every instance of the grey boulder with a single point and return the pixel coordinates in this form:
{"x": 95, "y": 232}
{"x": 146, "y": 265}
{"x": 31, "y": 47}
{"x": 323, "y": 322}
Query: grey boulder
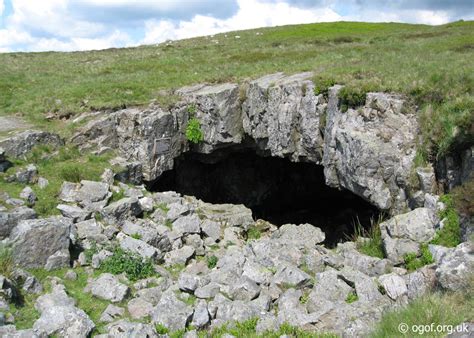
{"x": 34, "y": 241}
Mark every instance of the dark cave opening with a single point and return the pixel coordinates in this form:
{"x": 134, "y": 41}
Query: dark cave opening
{"x": 275, "y": 189}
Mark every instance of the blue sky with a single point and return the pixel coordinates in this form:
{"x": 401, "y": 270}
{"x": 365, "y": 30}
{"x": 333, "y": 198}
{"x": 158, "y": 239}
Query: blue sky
{"x": 68, "y": 25}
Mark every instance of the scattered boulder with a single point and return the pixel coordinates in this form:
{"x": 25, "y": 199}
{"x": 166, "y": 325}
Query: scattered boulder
{"x": 120, "y": 211}
{"x": 126, "y": 329}
{"x": 138, "y": 246}
{"x": 22, "y": 143}
{"x": 171, "y": 312}
{"x": 107, "y": 287}
{"x": 404, "y": 233}
{"x": 10, "y": 218}
{"x": 304, "y": 235}
{"x": 28, "y": 195}
{"x": 139, "y": 308}
{"x": 35, "y": 240}
{"x": 28, "y": 175}
{"x": 59, "y": 316}
{"x": 73, "y": 212}
{"x": 111, "y": 313}
{"x": 454, "y": 272}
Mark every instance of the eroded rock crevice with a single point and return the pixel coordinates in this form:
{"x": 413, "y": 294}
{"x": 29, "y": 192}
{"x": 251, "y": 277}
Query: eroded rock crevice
{"x": 275, "y": 189}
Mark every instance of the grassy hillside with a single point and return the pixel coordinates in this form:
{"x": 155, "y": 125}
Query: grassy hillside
{"x": 431, "y": 64}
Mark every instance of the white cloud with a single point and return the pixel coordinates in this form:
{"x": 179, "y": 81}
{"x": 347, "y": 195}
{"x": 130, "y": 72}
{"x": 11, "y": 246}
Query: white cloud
{"x": 251, "y": 14}
{"x": 50, "y": 17}
{"x": 117, "y": 38}
{"x": 96, "y": 24}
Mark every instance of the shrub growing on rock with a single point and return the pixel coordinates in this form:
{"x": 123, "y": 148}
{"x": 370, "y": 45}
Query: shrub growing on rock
{"x": 132, "y": 265}
{"x": 193, "y": 131}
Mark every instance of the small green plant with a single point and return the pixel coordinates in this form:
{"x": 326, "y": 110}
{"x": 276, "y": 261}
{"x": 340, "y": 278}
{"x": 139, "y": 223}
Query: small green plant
{"x": 169, "y": 223}
{"x": 163, "y": 207}
{"x": 253, "y": 233}
{"x": 304, "y": 297}
{"x": 193, "y": 131}
{"x": 191, "y": 109}
{"x": 354, "y": 96}
{"x": 136, "y": 236}
{"x": 352, "y": 297}
{"x": 117, "y": 196}
{"x": 413, "y": 262}
{"x": 212, "y": 261}
{"x": 161, "y": 329}
{"x": 322, "y": 85}
{"x": 134, "y": 266}
{"x": 450, "y": 234}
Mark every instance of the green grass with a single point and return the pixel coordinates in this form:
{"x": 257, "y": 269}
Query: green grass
{"x": 67, "y": 164}
{"x": 247, "y": 329}
{"x": 450, "y": 234}
{"x": 431, "y": 64}
{"x": 6, "y": 261}
{"x": 437, "y": 308}
{"x": 134, "y": 266}
{"x": 414, "y": 261}
{"x": 117, "y": 196}
{"x": 373, "y": 246}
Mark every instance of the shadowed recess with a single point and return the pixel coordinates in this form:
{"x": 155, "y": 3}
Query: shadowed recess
{"x": 275, "y": 189}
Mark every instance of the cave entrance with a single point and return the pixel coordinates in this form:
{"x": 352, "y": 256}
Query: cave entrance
{"x": 275, "y": 189}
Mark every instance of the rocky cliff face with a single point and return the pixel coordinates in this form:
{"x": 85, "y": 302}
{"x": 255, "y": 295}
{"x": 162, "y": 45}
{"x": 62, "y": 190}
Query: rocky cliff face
{"x": 369, "y": 150}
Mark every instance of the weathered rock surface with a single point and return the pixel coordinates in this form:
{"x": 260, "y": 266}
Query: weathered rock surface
{"x": 455, "y": 269}
{"x": 370, "y": 151}
{"x": 107, "y": 287}
{"x": 9, "y": 219}
{"x": 34, "y": 241}
{"x": 22, "y": 143}
{"x": 403, "y": 233}
{"x": 60, "y": 317}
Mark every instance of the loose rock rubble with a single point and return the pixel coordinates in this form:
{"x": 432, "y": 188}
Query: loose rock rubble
{"x": 285, "y": 276}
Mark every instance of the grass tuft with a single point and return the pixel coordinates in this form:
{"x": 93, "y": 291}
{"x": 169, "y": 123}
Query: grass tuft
{"x": 450, "y": 234}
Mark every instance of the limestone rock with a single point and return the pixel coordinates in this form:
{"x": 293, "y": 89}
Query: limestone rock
{"x": 111, "y": 313}
{"x": 403, "y": 233}
{"x": 122, "y": 210}
{"x": 139, "y": 308}
{"x": 34, "y": 241}
{"x": 171, "y": 312}
{"x": 9, "y": 219}
{"x": 28, "y": 195}
{"x": 22, "y": 143}
{"x": 107, "y": 287}
{"x": 126, "y": 329}
{"x": 59, "y": 316}
{"x": 454, "y": 272}
{"x": 283, "y": 115}
{"x": 305, "y": 235}
{"x": 370, "y": 151}
{"x": 138, "y": 246}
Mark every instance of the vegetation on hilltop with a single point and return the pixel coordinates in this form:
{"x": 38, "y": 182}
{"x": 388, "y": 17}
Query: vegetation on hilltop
{"x": 432, "y": 64}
